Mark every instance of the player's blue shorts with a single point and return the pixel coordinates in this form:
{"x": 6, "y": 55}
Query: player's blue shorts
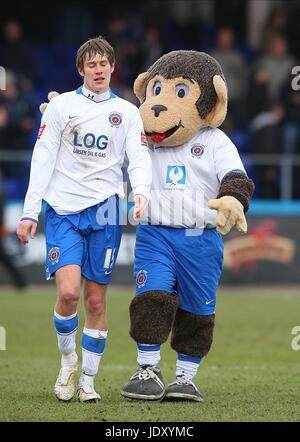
{"x": 168, "y": 259}
{"x": 86, "y": 238}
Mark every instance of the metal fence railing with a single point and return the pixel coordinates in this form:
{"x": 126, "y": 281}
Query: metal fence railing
{"x": 285, "y": 163}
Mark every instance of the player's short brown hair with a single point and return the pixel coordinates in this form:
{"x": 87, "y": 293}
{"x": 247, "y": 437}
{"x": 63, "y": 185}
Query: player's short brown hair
{"x": 93, "y": 46}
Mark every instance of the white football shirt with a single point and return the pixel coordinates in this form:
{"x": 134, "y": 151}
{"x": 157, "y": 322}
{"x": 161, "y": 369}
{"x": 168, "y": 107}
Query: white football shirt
{"x": 186, "y": 177}
{"x": 78, "y": 156}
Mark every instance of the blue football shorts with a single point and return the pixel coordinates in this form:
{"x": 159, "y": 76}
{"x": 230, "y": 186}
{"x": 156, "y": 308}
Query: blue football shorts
{"x": 168, "y": 259}
{"x": 90, "y": 239}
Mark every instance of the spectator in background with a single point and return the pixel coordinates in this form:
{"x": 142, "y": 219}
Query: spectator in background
{"x": 258, "y": 99}
{"x": 278, "y": 63}
{"x": 272, "y": 104}
{"x": 117, "y": 32}
{"x": 235, "y": 70}
{"x": 152, "y": 47}
{"x": 290, "y": 100}
{"x": 133, "y": 59}
{"x": 265, "y": 126}
{"x": 276, "y": 26}
{"x": 16, "y": 53}
{"x": 5, "y": 259}
{"x": 17, "y": 120}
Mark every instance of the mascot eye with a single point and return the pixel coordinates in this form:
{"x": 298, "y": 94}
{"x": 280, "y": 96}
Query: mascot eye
{"x": 182, "y": 90}
{"x": 157, "y": 88}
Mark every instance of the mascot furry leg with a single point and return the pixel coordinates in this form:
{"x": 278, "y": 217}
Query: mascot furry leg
{"x": 152, "y": 314}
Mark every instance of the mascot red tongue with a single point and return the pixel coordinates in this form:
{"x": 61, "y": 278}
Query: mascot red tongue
{"x": 157, "y": 138}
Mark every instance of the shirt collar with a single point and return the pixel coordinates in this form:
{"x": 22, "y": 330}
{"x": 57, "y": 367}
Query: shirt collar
{"x": 94, "y": 96}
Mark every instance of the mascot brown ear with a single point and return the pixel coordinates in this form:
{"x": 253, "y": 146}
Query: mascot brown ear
{"x": 139, "y": 86}
{"x": 216, "y": 117}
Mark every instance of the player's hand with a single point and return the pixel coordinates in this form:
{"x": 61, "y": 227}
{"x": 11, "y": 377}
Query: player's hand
{"x": 230, "y": 214}
{"x": 51, "y": 95}
{"x": 23, "y": 228}
{"x": 140, "y": 205}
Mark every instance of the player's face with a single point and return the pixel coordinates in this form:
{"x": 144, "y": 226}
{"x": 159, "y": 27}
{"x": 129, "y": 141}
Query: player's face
{"x": 97, "y": 73}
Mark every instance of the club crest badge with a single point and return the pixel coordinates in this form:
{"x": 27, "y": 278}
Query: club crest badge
{"x": 141, "y": 278}
{"x": 54, "y": 255}
{"x": 115, "y": 119}
{"x": 197, "y": 150}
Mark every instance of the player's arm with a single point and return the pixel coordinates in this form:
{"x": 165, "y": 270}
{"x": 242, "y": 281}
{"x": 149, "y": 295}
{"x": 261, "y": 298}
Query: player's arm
{"x": 139, "y": 169}
{"x": 42, "y": 166}
{"x": 235, "y": 191}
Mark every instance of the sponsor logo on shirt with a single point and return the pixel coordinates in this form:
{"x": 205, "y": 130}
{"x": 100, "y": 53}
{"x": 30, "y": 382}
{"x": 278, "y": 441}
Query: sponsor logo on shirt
{"x": 141, "y": 278}
{"x": 84, "y": 144}
{"x": 176, "y": 177}
{"x": 90, "y": 140}
{"x": 41, "y": 130}
{"x": 197, "y": 150}
{"x": 115, "y": 119}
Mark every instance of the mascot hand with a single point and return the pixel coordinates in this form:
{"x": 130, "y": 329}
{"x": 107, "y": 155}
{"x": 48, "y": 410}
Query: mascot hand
{"x": 230, "y": 214}
{"x": 51, "y": 95}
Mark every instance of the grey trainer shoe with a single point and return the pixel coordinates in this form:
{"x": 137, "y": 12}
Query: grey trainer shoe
{"x": 183, "y": 389}
{"x": 146, "y": 383}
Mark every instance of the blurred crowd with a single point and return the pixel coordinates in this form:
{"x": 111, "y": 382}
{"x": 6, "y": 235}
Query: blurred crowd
{"x": 263, "y": 113}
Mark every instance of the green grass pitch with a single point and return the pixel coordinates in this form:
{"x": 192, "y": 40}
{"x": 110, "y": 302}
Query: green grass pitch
{"x": 250, "y": 374}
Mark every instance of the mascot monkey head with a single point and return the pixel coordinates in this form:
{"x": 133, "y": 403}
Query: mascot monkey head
{"x": 181, "y": 93}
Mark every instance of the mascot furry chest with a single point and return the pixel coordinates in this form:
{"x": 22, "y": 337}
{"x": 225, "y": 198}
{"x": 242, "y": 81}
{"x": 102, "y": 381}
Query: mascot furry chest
{"x": 200, "y": 189}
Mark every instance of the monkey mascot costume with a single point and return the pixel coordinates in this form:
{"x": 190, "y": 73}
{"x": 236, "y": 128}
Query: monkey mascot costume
{"x": 200, "y": 190}
{"x": 179, "y": 250}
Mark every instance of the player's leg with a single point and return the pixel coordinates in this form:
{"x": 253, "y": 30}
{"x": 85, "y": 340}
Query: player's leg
{"x": 63, "y": 260}
{"x": 192, "y": 334}
{"x": 152, "y": 311}
{"x": 102, "y": 242}
{"x": 93, "y": 338}
{"x": 68, "y": 279}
